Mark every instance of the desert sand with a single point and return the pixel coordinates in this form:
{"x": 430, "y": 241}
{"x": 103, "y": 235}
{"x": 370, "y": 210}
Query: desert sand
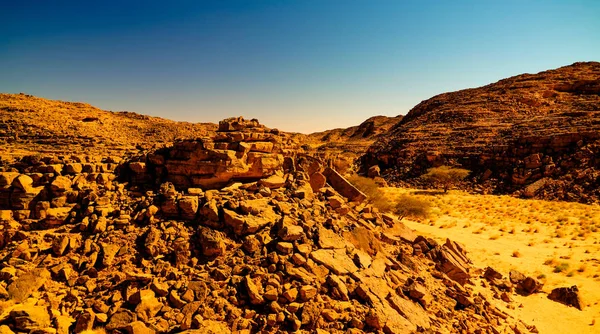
{"x": 557, "y": 242}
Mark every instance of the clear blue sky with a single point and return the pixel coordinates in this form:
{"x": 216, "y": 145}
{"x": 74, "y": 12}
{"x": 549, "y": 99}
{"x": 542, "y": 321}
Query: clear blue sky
{"x": 296, "y": 65}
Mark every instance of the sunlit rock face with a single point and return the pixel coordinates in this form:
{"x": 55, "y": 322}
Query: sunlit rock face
{"x": 240, "y": 150}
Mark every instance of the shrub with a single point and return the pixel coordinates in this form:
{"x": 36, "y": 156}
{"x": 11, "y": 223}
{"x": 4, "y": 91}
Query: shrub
{"x": 374, "y": 195}
{"x": 403, "y": 206}
{"x": 561, "y": 267}
{"x": 445, "y": 176}
{"x": 407, "y": 205}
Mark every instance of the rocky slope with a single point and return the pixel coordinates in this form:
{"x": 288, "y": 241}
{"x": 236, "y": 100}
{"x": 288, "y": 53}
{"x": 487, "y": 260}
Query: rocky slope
{"x": 345, "y": 145}
{"x": 286, "y": 245}
{"x": 354, "y": 139}
{"x": 532, "y": 134}
{"x": 32, "y": 125}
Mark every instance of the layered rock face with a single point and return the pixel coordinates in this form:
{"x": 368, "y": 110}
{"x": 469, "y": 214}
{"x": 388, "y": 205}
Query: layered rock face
{"x": 536, "y": 135}
{"x": 241, "y": 150}
{"x": 95, "y": 243}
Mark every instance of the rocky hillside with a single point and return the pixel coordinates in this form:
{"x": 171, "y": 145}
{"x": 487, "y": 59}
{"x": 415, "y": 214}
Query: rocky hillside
{"x": 343, "y": 146}
{"x": 32, "y": 125}
{"x": 354, "y": 139}
{"x": 532, "y": 134}
{"x": 287, "y": 245}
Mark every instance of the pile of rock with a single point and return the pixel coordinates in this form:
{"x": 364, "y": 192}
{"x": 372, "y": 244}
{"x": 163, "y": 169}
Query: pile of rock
{"x": 291, "y": 250}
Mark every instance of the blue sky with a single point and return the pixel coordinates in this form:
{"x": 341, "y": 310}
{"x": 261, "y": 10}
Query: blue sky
{"x": 296, "y": 65}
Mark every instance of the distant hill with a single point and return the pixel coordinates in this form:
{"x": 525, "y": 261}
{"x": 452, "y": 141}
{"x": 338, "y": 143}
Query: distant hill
{"x": 531, "y": 134}
{"x": 354, "y": 139}
{"x": 30, "y": 124}
{"x": 343, "y": 146}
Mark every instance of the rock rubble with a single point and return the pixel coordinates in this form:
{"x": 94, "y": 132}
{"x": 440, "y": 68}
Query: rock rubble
{"x": 143, "y": 246}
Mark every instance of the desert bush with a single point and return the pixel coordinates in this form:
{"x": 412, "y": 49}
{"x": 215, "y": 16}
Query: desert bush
{"x": 445, "y": 176}
{"x": 561, "y": 267}
{"x": 403, "y": 206}
{"x": 375, "y": 195}
{"x": 406, "y": 205}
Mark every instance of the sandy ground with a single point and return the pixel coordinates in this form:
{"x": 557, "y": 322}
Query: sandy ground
{"x": 557, "y": 242}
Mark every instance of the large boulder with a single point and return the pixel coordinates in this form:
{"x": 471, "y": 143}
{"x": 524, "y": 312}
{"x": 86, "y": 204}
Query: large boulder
{"x": 568, "y": 296}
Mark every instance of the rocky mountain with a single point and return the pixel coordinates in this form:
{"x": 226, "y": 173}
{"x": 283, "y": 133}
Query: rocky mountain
{"x": 33, "y": 125}
{"x": 533, "y": 134}
{"x": 229, "y": 233}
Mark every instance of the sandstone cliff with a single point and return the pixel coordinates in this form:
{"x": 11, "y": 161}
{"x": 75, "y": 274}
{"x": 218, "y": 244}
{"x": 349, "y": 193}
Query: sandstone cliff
{"x": 532, "y": 134}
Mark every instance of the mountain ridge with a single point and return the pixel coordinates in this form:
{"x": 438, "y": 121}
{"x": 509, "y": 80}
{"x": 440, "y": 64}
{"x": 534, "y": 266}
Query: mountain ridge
{"x": 497, "y": 131}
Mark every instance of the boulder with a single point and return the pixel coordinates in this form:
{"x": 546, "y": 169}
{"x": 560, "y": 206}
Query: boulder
{"x": 211, "y": 242}
{"x": 85, "y": 321}
{"x": 374, "y": 171}
{"x": 335, "y": 260}
{"x": 290, "y": 231}
{"x": 138, "y": 327}
{"x": 317, "y": 181}
{"x": 148, "y": 305}
{"x": 6, "y": 178}
{"x": 451, "y": 259}
{"x": 272, "y": 182}
{"x": 568, "y": 296}
{"x": 188, "y": 206}
{"x": 241, "y": 150}
{"x": 22, "y": 182}
{"x": 60, "y": 184}
{"x": 254, "y": 293}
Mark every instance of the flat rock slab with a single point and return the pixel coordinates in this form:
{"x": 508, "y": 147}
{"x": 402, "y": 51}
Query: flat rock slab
{"x": 28, "y": 317}
{"x": 329, "y": 239}
{"x": 26, "y": 284}
{"x": 342, "y": 186}
{"x": 335, "y": 260}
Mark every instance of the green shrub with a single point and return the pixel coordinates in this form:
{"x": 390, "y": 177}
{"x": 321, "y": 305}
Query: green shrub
{"x": 445, "y": 176}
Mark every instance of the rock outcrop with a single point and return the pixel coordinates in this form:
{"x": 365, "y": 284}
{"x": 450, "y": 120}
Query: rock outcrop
{"x": 240, "y": 150}
{"x": 534, "y": 134}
